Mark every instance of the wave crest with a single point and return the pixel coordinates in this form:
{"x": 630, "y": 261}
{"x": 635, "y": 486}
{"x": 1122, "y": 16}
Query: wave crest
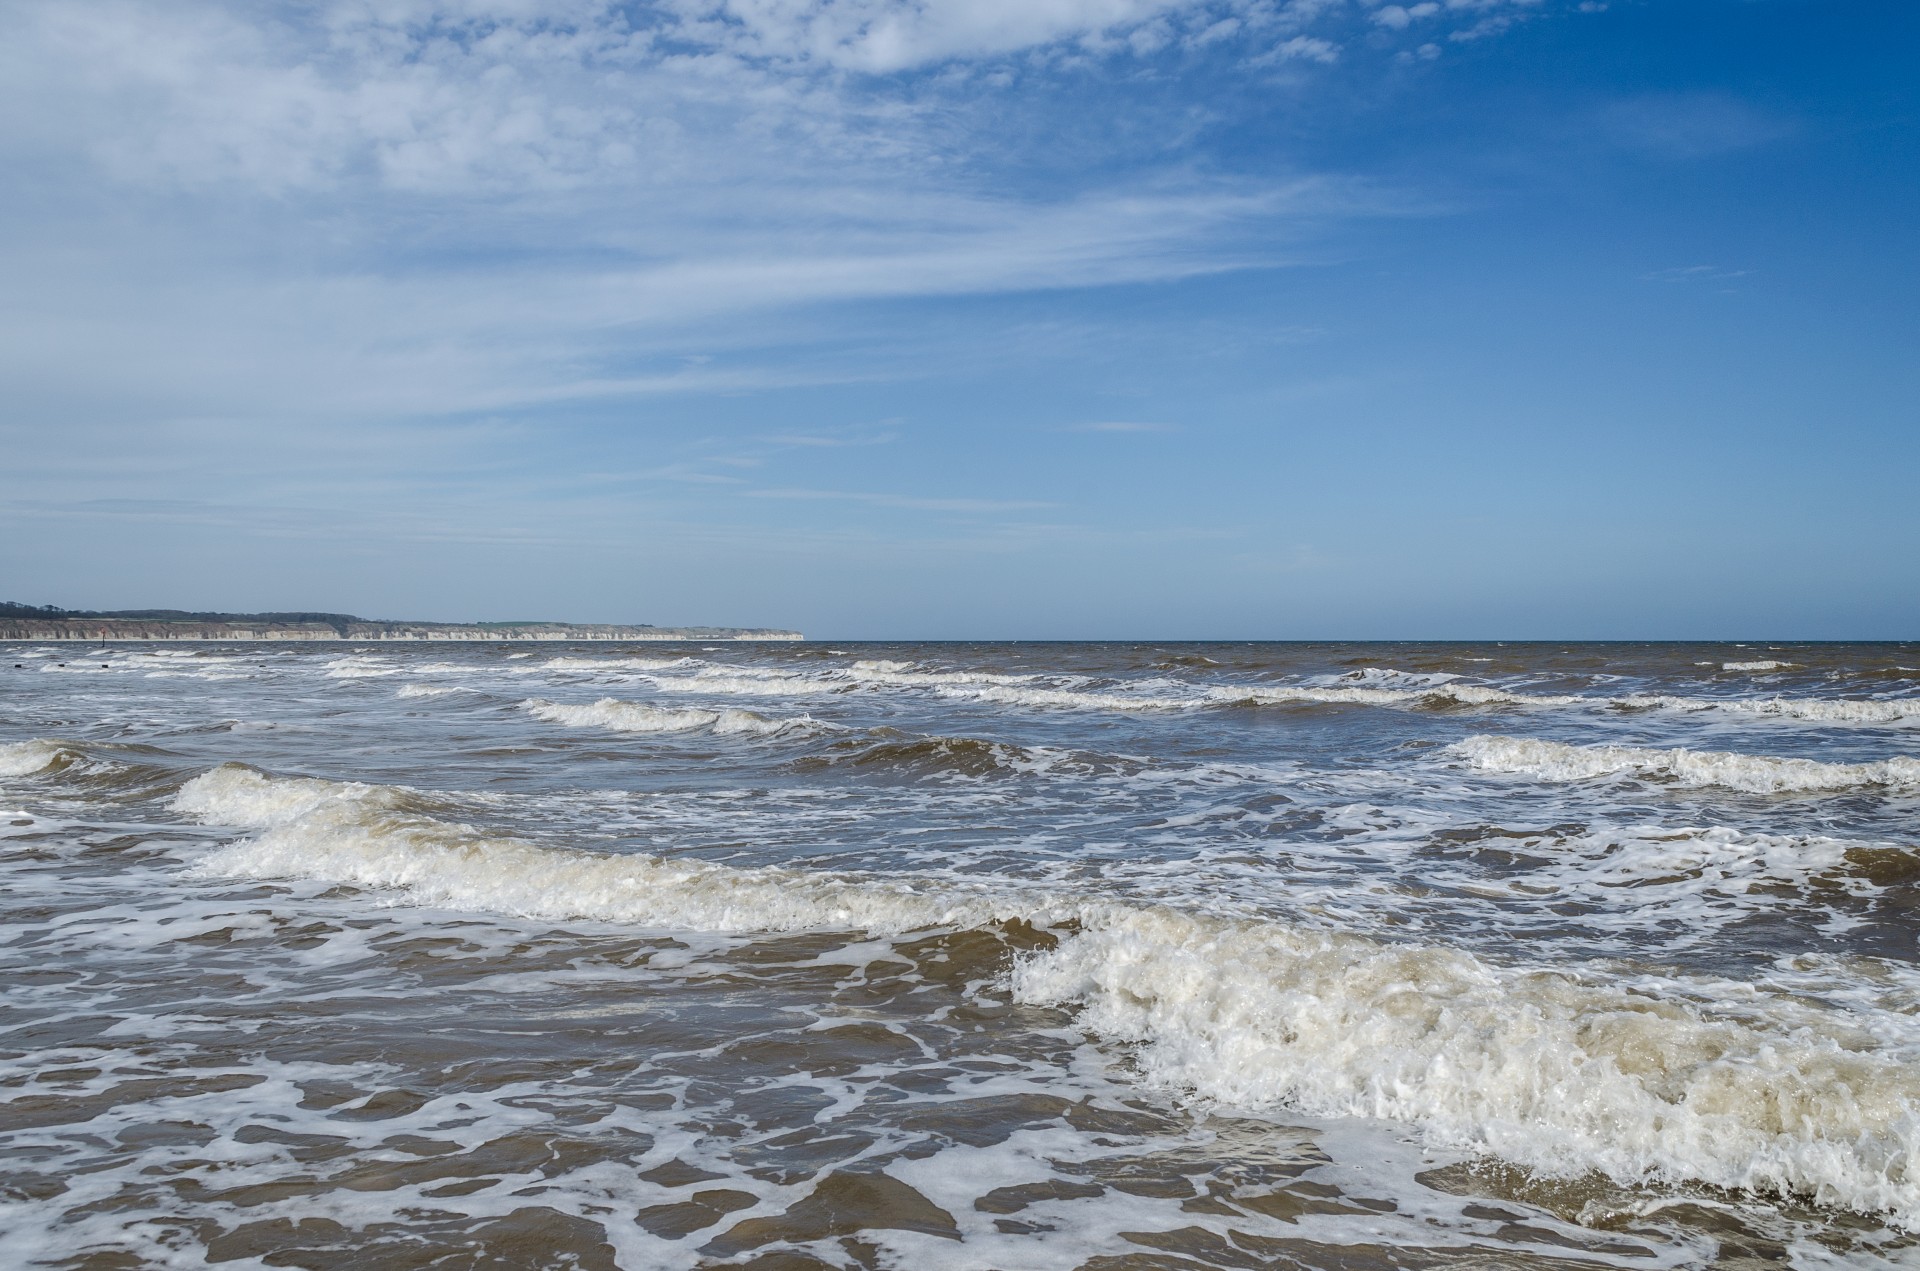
{"x": 1754, "y": 774}
{"x": 426, "y": 690}
{"x": 235, "y": 794}
{"x": 617, "y": 716}
{"x": 885, "y": 748}
{"x": 1543, "y": 1068}
{"x": 627, "y": 663}
{"x": 25, "y": 758}
{"x": 1653, "y": 1079}
{"x": 371, "y": 836}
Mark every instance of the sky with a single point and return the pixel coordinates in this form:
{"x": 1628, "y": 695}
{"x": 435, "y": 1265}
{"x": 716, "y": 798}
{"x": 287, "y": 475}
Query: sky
{"x": 969, "y": 319}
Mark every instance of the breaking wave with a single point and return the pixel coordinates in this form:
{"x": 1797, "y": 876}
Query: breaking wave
{"x": 1449, "y": 694}
{"x": 1073, "y": 699}
{"x": 741, "y": 681}
{"x": 1820, "y": 710}
{"x": 876, "y": 673}
{"x": 612, "y": 664}
{"x": 234, "y": 794}
{"x": 1755, "y": 774}
{"x": 1370, "y": 686}
{"x": 360, "y": 666}
{"x": 1567, "y": 1071}
{"x": 617, "y": 716}
{"x": 1760, "y": 665}
{"x": 347, "y": 832}
{"x": 126, "y": 770}
{"x": 886, "y": 748}
{"x": 24, "y": 758}
{"x": 426, "y": 690}
{"x": 1441, "y": 693}
{"x": 907, "y": 674}
{"x": 1651, "y": 1080}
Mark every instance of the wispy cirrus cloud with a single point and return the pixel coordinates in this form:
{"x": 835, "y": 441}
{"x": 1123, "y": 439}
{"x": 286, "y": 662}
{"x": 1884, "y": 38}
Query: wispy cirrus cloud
{"x": 508, "y": 96}
{"x": 1685, "y": 126}
{"x": 1694, "y": 273}
{"x": 339, "y": 210}
{"x": 834, "y": 439}
{"x": 905, "y": 502}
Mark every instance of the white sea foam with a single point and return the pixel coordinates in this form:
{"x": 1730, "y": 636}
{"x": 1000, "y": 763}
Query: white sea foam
{"x": 1370, "y": 686}
{"x": 906, "y": 675}
{"x": 196, "y": 675}
{"x": 359, "y": 666}
{"x": 1561, "y": 1070}
{"x": 426, "y": 690}
{"x": 742, "y": 681}
{"x": 1756, "y": 774}
{"x": 778, "y": 682}
{"x": 24, "y": 758}
{"x": 614, "y": 664}
{"x": 1445, "y": 691}
{"x": 639, "y": 717}
{"x": 1439, "y": 694}
{"x": 1271, "y": 695}
{"x": 1761, "y": 665}
{"x": 1643, "y": 1080}
{"x": 1389, "y": 677}
{"x": 1684, "y": 882}
{"x": 1072, "y": 699}
{"x": 234, "y": 794}
{"x": 1823, "y": 710}
{"x": 350, "y": 833}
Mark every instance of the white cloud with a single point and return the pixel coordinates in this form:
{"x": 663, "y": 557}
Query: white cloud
{"x": 905, "y": 502}
{"x": 1694, "y": 273}
{"x": 1399, "y": 17}
{"x": 886, "y": 36}
{"x": 1305, "y": 48}
{"x": 400, "y": 207}
{"x": 190, "y": 330}
{"x": 1688, "y": 125}
{"x": 507, "y": 95}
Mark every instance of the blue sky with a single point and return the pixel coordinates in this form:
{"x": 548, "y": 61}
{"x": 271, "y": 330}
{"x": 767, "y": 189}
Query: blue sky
{"x": 1050, "y": 319}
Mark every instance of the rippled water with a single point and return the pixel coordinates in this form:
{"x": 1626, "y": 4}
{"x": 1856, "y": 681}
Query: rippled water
{"x": 1109, "y": 956}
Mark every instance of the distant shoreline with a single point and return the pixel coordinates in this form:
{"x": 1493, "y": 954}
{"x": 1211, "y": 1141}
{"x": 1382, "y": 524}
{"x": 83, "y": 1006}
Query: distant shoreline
{"x": 113, "y": 630}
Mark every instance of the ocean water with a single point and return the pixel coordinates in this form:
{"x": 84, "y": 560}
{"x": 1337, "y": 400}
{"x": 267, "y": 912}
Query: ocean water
{"x": 923, "y": 956}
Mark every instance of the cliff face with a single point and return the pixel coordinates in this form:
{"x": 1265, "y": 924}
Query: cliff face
{"x": 553, "y": 631}
{"x": 130, "y": 629}
{"x": 97, "y": 629}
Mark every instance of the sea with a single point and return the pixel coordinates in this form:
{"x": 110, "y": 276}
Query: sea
{"x": 1032, "y": 956}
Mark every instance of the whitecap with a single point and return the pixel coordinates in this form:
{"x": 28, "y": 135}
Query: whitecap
{"x": 1755, "y": 774}
{"x": 640, "y": 717}
{"x": 1567, "y": 1070}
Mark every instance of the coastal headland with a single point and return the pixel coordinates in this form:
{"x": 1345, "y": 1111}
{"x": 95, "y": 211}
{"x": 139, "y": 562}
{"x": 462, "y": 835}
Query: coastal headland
{"x": 165, "y": 625}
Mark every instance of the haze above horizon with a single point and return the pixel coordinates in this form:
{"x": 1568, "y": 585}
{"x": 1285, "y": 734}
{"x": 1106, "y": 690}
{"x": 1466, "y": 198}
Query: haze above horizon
{"x": 1151, "y": 319}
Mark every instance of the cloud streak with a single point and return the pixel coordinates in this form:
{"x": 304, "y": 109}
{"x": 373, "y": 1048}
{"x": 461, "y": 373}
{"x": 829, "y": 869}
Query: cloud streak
{"x": 243, "y": 236}
{"x": 904, "y": 502}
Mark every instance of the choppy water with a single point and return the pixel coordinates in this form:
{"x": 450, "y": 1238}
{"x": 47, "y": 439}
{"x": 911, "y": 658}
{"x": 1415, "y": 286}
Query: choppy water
{"x": 1024, "y": 956}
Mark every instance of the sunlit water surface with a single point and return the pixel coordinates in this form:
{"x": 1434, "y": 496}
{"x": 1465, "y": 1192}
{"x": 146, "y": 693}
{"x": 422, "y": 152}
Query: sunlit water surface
{"x": 1106, "y": 956}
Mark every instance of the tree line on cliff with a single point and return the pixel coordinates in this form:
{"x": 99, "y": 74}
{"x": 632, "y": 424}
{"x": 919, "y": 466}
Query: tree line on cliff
{"x": 53, "y": 613}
